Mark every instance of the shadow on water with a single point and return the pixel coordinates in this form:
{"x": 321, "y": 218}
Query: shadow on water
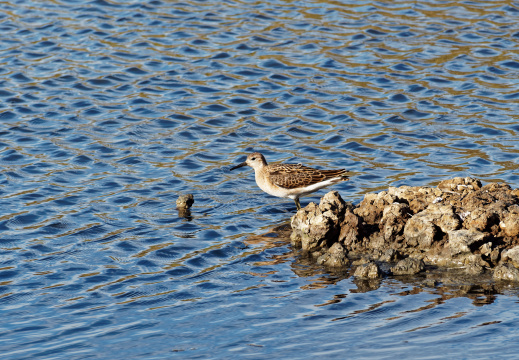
{"x": 446, "y": 283}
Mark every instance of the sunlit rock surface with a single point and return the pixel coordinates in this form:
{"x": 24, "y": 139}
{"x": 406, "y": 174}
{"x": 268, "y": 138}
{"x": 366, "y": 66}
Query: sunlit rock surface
{"x": 460, "y": 223}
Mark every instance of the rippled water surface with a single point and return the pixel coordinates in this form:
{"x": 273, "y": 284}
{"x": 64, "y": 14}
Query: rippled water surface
{"x": 111, "y": 109}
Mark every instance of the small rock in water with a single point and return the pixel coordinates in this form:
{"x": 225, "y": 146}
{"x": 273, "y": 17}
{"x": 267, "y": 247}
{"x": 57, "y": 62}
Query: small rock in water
{"x": 408, "y": 266}
{"x": 368, "y": 271}
{"x": 185, "y": 201}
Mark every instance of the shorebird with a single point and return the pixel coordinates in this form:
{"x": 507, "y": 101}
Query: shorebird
{"x": 290, "y": 180}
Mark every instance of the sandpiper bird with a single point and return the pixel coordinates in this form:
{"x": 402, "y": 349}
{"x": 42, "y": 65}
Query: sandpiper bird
{"x": 290, "y": 180}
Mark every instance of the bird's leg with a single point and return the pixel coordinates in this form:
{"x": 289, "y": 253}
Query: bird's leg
{"x": 297, "y": 204}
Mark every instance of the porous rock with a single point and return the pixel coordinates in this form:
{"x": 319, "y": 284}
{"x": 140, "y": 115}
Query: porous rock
{"x": 335, "y": 257}
{"x": 317, "y": 226}
{"x": 510, "y": 222}
{"x": 351, "y": 229}
{"x": 390, "y": 256}
{"x": 511, "y": 256}
{"x": 408, "y": 266}
{"x": 369, "y": 270}
{"x": 464, "y": 241}
{"x": 460, "y": 184}
{"x": 419, "y": 232}
{"x": 506, "y": 272}
{"x": 459, "y": 223}
{"x": 393, "y": 220}
{"x": 371, "y": 209}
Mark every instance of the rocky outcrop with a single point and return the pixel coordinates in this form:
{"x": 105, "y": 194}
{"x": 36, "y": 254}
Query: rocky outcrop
{"x": 316, "y": 227}
{"x": 460, "y": 223}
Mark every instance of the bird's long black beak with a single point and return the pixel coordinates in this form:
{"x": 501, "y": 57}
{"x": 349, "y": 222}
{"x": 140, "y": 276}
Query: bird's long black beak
{"x": 238, "y": 166}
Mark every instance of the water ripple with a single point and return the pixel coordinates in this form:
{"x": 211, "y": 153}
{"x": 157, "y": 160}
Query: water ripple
{"x": 109, "y": 110}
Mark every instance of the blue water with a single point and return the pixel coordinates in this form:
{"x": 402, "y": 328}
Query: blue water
{"x": 109, "y": 110}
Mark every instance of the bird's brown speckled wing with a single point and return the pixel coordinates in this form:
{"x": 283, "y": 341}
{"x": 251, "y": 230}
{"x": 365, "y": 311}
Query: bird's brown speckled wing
{"x": 291, "y": 176}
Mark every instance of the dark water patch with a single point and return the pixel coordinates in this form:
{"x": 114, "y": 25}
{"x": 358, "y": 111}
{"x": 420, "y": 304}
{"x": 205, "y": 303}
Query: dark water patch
{"x": 337, "y": 139}
{"x": 19, "y": 77}
{"x": 7, "y": 115}
{"x": 486, "y": 131}
{"x": 240, "y": 101}
{"x": 511, "y": 96}
{"x": 187, "y": 135}
{"x": 100, "y": 82}
{"x": 67, "y": 201}
{"x": 495, "y": 70}
{"x": 7, "y": 274}
{"x": 354, "y": 146}
{"x": 150, "y": 204}
{"x": 378, "y": 104}
{"x": 216, "y": 108}
{"x": 511, "y": 64}
{"x": 4, "y": 93}
{"x": 300, "y": 132}
{"x": 11, "y": 156}
{"x": 56, "y": 228}
{"x": 132, "y": 160}
{"x": 401, "y": 98}
{"x": 414, "y": 114}
{"x": 91, "y": 231}
{"x": 15, "y": 100}
{"x": 167, "y": 124}
{"x": 181, "y": 117}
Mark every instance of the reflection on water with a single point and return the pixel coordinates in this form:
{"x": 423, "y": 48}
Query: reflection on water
{"x": 109, "y": 110}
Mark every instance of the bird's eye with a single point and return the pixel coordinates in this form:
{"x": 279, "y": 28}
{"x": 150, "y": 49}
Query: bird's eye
{"x": 253, "y": 158}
